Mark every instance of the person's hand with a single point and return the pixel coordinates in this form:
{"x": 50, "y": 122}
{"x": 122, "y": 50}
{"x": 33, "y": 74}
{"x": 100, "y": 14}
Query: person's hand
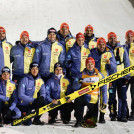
{"x": 69, "y": 100}
{"x": 80, "y": 80}
{"x": 54, "y": 101}
{"x": 107, "y": 61}
{"x": 103, "y": 106}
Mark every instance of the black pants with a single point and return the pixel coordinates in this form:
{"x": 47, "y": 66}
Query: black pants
{"x": 132, "y": 93}
{"x": 65, "y": 110}
{"x": 92, "y": 109}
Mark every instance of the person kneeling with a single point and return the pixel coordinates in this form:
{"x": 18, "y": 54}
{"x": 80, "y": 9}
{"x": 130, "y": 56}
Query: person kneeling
{"x": 8, "y": 98}
{"x": 57, "y": 87}
{"x": 32, "y": 94}
{"x": 87, "y": 77}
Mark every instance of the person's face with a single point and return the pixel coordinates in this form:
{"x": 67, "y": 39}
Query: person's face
{"x": 2, "y": 35}
{"x": 89, "y": 32}
{"x": 130, "y": 38}
{"x": 112, "y": 41}
{"x": 58, "y": 71}
{"x": 34, "y": 71}
{"x": 101, "y": 47}
{"x": 64, "y": 31}
{"x": 52, "y": 37}
{"x": 24, "y": 40}
{"x": 90, "y": 66}
{"x": 5, "y": 76}
{"x": 80, "y": 41}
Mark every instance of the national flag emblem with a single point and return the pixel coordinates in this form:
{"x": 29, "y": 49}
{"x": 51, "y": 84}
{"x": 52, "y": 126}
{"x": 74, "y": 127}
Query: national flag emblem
{"x": 38, "y": 83}
{"x": 10, "y": 88}
{"x": 6, "y": 48}
{"x": 29, "y": 51}
{"x": 63, "y": 84}
{"x": 105, "y": 56}
{"x": 92, "y": 46}
{"x": 84, "y": 53}
{"x": 56, "y": 50}
{"x": 132, "y": 51}
{"x": 69, "y": 42}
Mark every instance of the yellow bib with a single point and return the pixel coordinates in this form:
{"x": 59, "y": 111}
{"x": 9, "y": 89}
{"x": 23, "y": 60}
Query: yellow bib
{"x": 104, "y": 57}
{"x": 10, "y": 87}
{"x": 69, "y": 44}
{"x": 84, "y": 55}
{"x": 131, "y": 56}
{"x": 63, "y": 85}
{"x": 92, "y": 44}
{"x": 121, "y": 52}
{"x": 55, "y": 53}
{"x": 38, "y": 84}
{"x": 6, "y": 50}
{"x": 28, "y": 58}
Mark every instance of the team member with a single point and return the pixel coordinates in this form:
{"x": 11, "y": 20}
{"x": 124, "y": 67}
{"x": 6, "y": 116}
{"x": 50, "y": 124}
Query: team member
{"x": 65, "y": 37}
{"x": 104, "y": 62}
{"x": 8, "y": 98}
{"x": 89, "y": 76}
{"x": 129, "y": 45}
{"x": 122, "y": 61}
{"x": 57, "y": 87}
{"x": 90, "y": 38}
{"x": 5, "y": 48}
{"x": 32, "y": 93}
{"x": 48, "y": 53}
{"x": 22, "y": 56}
{"x": 77, "y": 55}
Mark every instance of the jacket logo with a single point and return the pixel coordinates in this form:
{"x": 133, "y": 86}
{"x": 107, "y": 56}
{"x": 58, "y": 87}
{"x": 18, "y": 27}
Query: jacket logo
{"x": 56, "y": 50}
{"x": 69, "y": 42}
{"x": 38, "y": 84}
{"x": 10, "y": 88}
{"x": 29, "y": 51}
{"x": 6, "y": 48}
{"x": 84, "y": 53}
{"x": 63, "y": 84}
{"x": 132, "y": 51}
{"x": 92, "y": 46}
{"x": 105, "y": 56}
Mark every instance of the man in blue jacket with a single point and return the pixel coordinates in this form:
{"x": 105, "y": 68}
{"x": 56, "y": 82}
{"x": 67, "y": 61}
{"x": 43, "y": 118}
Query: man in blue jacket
{"x": 104, "y": 62}
{"x": 77, "y": 55}
{"x": 22, "y": 56}
{"x": 5, "y": 48}
{"x": 48, "y": 53}
{"x": 90, "y": 38}
{"x": 87, "y": 77}
{"x": 122, "y": 61}
{"x": 8, "y": 98}
{"x": 129, "y": 45}
{"x": 32, "y": 93}
{"x": 59, "y": 86}
{"x": 65, "y": 37}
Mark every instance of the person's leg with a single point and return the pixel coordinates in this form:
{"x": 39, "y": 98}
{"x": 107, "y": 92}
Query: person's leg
{"x": 131, "y": 118}
{"x": 16, "y": 113}
{"x": 1, "y": 121}
{"x": 112, "y": 101}
{"x": 52, "y": 116}
{"x": 122, "y": 101}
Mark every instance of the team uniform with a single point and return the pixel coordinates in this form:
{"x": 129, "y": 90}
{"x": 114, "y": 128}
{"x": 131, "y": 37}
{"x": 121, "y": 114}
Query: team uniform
{"x": 122, "y": 61}
{"x": 58, "y": 87}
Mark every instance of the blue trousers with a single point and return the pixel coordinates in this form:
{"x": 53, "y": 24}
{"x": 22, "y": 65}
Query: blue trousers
{"x": 121, "y": 88}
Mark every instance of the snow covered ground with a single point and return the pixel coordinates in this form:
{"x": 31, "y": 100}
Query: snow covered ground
{"x": 37, "y": 16}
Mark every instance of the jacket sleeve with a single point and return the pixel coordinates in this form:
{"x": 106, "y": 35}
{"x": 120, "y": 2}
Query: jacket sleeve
{"x": 12, "y": 55}
{"x": 35, "y": 43}
{"x": 48, "y": 91}
{"x": 126, "y": 62}
{"x": 4, "y": 98}
{"x": 62, "y": 57}
{"x": 68, "y": 59}
{"x": 15, "y": 100}
{"x": 112, "y": 65}
{"x": 69, "y": 89}
{"x": 103, "y": 89}
{"x": 21, "y": 92}
{"x": 37, "y": 55}
{"x": 43, "y": 91}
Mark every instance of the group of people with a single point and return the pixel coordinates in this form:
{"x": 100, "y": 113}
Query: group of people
{"x": 44, "y": 71}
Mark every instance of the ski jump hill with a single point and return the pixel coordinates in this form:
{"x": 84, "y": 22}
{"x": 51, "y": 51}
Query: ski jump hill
{"x": 37, "y": 16}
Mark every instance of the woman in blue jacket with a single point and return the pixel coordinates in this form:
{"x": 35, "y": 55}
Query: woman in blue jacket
{"x": 8, "y": 98}
{"x": 58, "y": 86}
{"x": 32, "y": 93}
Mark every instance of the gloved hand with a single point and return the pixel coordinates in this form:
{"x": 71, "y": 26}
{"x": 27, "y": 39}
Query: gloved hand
{"x": 125, "y": 81}
{"x": 80, "y": 80}
{"x": 8, "y": 114}
{"x": 103, "y": 107}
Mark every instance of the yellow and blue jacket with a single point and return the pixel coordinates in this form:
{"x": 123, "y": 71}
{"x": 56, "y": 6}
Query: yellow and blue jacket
{"x": 57, "y": 88}
{"x": 89, "y": 78}
{"x": 5, "y": 49}
{"x": 8, "y": 93}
